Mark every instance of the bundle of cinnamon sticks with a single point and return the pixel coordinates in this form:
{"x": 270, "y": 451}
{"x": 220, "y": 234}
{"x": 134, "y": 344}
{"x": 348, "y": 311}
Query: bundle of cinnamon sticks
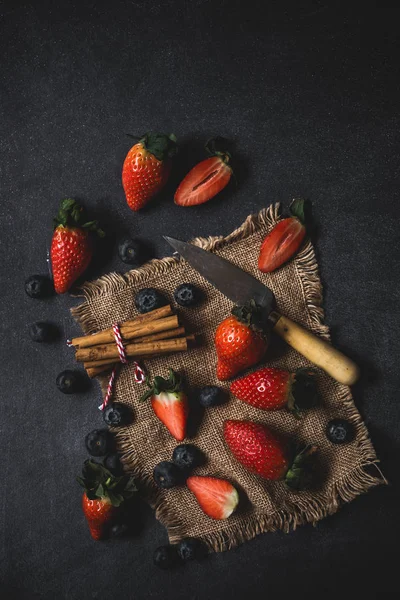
{"x": 152, "y": 334}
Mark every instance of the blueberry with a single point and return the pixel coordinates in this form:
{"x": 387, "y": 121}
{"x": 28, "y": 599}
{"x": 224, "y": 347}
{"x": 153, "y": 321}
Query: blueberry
{"x": 187, "y": 456}
{"x": 117, "y": 414}
{"x": 113, "y": 464}
{"x": 130, "y": 252}
{"x": 211, "y": 395}
{"x": 190, "y": 549}
{"x": 340, "y": 431}
{"x": 99, "y": 442}
{"x": 165, "y": 557}
{"x": 39, "y": 286}
{"x": 166, "y": 474}
{"x": 149, "y": 299}
{"x": 187, "y": 295}
{"x": 119, "y": 530}
{"x": 43, "y": 332}
{"x": 70, "y": 382}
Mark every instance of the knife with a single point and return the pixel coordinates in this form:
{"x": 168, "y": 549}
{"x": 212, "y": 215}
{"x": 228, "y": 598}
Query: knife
{"x": 240, "y": 287}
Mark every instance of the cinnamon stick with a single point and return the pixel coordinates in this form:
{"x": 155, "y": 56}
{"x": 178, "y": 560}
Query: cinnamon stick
{"x": 94, "y": 368}
{"x": 163, "y": 335}
{"x": 110, "y": 351}
{"x": 146, "y": 329}
{"x": 107, "y": 336}
{"x": 94, "y": 371}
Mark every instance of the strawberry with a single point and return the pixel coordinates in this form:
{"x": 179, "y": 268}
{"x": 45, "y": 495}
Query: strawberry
{"x": 217, "y": 497}
{"x": 169, "y": 403}
{"x": 239, "y": 341}
{"x": 71, "y": 247}
{"x": 207, "y": 178}
{"x": 104, "y": 494}
{"x": 284, "y": 240}
{"x": 267, "y": 454}
{"x": 99, "y": 514}
{"x": 272, "y": 389}
{"x": 146, "y": 168}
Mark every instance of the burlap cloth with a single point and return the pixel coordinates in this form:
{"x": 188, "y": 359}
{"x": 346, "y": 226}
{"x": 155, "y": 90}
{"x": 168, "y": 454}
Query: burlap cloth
{"x": 343, "y": 471}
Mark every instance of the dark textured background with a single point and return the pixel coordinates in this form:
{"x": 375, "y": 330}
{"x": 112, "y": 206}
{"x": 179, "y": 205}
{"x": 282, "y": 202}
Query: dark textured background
{"x": 310, "y": 95}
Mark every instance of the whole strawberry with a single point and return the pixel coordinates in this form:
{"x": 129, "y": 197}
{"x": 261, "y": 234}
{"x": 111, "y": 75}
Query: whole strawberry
{"x": 273, "y": 389}
{"x": 267, "y": 454}
{"x": 71, "y": 246}
{"x": 104, "y": 494}
{"x": 146, "y": 168}
{"x": 169, "y": 403}
{"x": 240, "y": 341}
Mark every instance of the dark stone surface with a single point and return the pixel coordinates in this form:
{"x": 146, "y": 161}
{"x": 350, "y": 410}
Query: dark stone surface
{"x": 310, "y": 95}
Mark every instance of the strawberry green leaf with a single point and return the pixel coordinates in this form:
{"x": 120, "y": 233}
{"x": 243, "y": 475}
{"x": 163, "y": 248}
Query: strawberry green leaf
{"x": 99, "y": 482}
{"x": 161, "y": 145}
{"x": 160, "y": 384}
{"x": 301, "y": 209}
{"x": 100, "y": 491}
{"x": 299, "y": 475}
{"x": 115, "y": 499}
{"x": 71, "y": 214}
{"x": 146, "y": 395}
{"x": 251, "y": 315}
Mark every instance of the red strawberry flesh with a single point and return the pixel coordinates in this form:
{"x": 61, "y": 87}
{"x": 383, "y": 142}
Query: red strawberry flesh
{"x": 217, "y": 497}
{"x": 203, "y": 182}
{"x": 172, "y": 410}
{"x": 281, "y": 244}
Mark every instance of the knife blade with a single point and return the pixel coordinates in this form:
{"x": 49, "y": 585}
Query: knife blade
{"x": 233, "y": 282}
{"x": 240, "y": 287}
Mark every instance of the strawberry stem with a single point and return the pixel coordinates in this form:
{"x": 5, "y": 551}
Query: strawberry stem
{"x": 298, "y": 476}
{"x": 99, "y": 482}
{"x": 303, "y": 391}
{"x": 218, "y": 147}
{"x": 161, "y": 145}
{"x": 251, "y": 315}
{"x": 72, "y": 214}
{"x": 171, "y": 385}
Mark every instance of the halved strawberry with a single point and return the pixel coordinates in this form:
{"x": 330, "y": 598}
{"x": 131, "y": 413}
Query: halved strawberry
{"x": 284, "y": 240}
{"x": 169, "y": 403}
{"x": 207, "y": 178}
{"x": 217, "y": 497}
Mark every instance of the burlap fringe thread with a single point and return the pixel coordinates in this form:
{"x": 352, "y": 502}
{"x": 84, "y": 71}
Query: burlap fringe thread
{"x": 357, "y": 482}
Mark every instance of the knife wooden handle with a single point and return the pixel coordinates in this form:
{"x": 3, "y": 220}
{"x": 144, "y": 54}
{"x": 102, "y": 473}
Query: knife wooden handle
{"x": 317, "y": 350}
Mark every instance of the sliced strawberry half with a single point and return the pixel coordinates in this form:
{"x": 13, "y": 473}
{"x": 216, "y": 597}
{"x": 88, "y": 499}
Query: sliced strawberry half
{"x": 172, "y": 410}
{"x": 207, "y": 178}
{"x": 217, "y": 497}
{"x": 170, "y": 404}
{"x": 284, "y": 240}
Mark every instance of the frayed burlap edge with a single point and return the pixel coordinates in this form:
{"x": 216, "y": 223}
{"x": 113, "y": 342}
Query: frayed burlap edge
{"x": 360, "y": 480}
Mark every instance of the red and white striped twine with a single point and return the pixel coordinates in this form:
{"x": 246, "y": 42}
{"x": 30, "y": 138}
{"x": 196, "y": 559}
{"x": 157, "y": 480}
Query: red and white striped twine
{"x": 139, "y": 373}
